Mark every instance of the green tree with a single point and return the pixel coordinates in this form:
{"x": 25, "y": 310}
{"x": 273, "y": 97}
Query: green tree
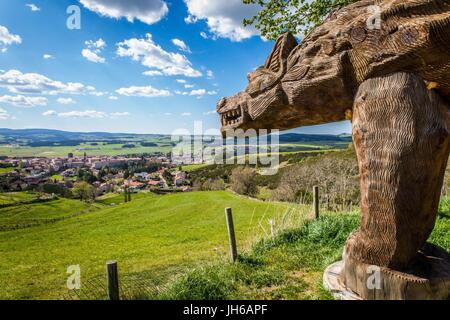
{"x": 296, "y": 16}
{"x": 83, "y": 191}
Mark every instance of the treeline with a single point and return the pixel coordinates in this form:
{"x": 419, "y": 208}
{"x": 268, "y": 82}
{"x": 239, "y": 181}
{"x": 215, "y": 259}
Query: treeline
{"x": 336, "y": 173}
{"x": 73, "y": 143}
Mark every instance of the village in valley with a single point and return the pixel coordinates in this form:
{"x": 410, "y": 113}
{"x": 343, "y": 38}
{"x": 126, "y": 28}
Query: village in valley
{"x": 101, "y": 174}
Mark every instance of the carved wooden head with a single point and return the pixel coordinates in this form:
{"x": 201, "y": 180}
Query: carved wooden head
{"x": 314, "y": 82}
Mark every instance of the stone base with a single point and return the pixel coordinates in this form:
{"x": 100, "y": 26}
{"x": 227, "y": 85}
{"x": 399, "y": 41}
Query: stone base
{"x": 427, "y": 279}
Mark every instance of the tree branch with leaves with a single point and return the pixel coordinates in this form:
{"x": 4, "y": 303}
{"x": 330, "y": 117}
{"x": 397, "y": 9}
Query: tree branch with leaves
{"x": 298, "y": 17}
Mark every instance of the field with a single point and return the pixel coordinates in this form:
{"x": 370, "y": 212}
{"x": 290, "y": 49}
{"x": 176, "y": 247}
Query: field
{"x": 112, "y": 199}
{"x": 53, "y": 143}
{"x": 117, "y": 149}
{"x": 33, "y": 214}
{"x": 6, "y": 170}
{"x": 288, "y": 266}
{"x": 12, "y": 198}
{"x": 78, "y": 150}
{"x": 174, "y": 246}
{"x": 157, "y": 235}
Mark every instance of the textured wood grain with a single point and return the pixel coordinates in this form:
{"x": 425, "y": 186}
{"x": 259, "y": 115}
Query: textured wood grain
{"x": 428, "y": 278}
{"x": 394, "y": 83}
{"x": 315, "y": 81}
{"x": 401, "y": 135}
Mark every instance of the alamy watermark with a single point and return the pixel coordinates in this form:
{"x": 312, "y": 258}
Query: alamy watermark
{"x": 74, "y": 279}
{"x": 374, "y": 21}
{"x": 252, "y": 147}
{"x": 374, "y": 280}
{"x": 74, "y": 20}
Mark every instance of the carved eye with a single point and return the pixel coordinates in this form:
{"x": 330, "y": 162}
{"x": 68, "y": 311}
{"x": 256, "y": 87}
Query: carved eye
{"x": 296, "y": 73}
{"x": 328, "y": 47}
{"x": 259, "y": 83}
{"x": 264, "y": 85}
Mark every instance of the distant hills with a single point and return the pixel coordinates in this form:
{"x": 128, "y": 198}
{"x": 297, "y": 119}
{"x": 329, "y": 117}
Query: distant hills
{"x": 298, "y": 137}
{"x": 58, "y": 135}
{"x": 35, "y": 136}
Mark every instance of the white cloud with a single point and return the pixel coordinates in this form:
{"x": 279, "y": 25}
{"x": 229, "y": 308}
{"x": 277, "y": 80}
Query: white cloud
{"x": 22, "y": 101}
{"x": 147, "y": 11}
{"x": 100, "y": 44}
{"x": 83, "y": 114}
{"x": 7, "y": 39}
{"x": 93, "y": 50}
{"x": 198, "y": 92}
{"x": 65, "y": 101}
{"x": 47, "y": 56}
{"x": 152, "y": 73}
{"x": 210, "y": 112}
{"x": 189, "y": 86}
{"x": 4, "y": 115}
{"x": 17, "y": 82}
{"x": 148, "y": 91}
{"x": 204, "y": 35}
{"x": 210, "y": 74}
{"x": 181, "y": 81}
{"x": 224, "y": 18}
{"x": 49, "y": 113}
{"x": 113, "y": 98}
{"x": 190, "y": 19}
{"x": 98, "y": 93}
{"x": 33, "y": 7}
{"x": 120, "y": 114}
{"x": 186, "y": 114}
{"x": 167, "y": 114}
{"x": 92, "y": 56}
{"x": 152, "y": 56}
{"x": 181, "y": 45}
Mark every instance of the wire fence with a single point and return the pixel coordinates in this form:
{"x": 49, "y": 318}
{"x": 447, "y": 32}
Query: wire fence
{"x": 131, "y": 287}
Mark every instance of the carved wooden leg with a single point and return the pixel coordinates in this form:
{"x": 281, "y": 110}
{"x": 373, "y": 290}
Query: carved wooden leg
{"x": 401, "y": 135}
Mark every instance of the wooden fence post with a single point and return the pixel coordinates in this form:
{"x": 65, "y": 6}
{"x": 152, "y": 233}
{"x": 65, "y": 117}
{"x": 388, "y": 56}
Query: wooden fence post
{"x": 113, "y": 280}
{"x": 316, "y": 202}
{"x": 231, "y": 234}
{"x": 129, "y": 195}
{"x": 125, "y": 189}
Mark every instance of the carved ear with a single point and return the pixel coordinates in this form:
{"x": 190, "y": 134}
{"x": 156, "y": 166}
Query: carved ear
{"x": 277, "y": 60}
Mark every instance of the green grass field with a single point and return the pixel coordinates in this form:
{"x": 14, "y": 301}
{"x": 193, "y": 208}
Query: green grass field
{"x": 160, "y": 236}
{"x": 6, "y": 170}
{"x": 115, "y": 199}
{"x": 288, "y": 266}
{"x": 33, "y": 214}
{"x": 79, "y": 150}
{"x": 103, "y": 149}
{"x": 17, "y": 197}
{"x": 175, "y": 246}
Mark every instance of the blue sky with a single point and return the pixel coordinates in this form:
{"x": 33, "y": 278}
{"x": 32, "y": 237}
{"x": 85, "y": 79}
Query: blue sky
{"x": 142, "y": 66}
